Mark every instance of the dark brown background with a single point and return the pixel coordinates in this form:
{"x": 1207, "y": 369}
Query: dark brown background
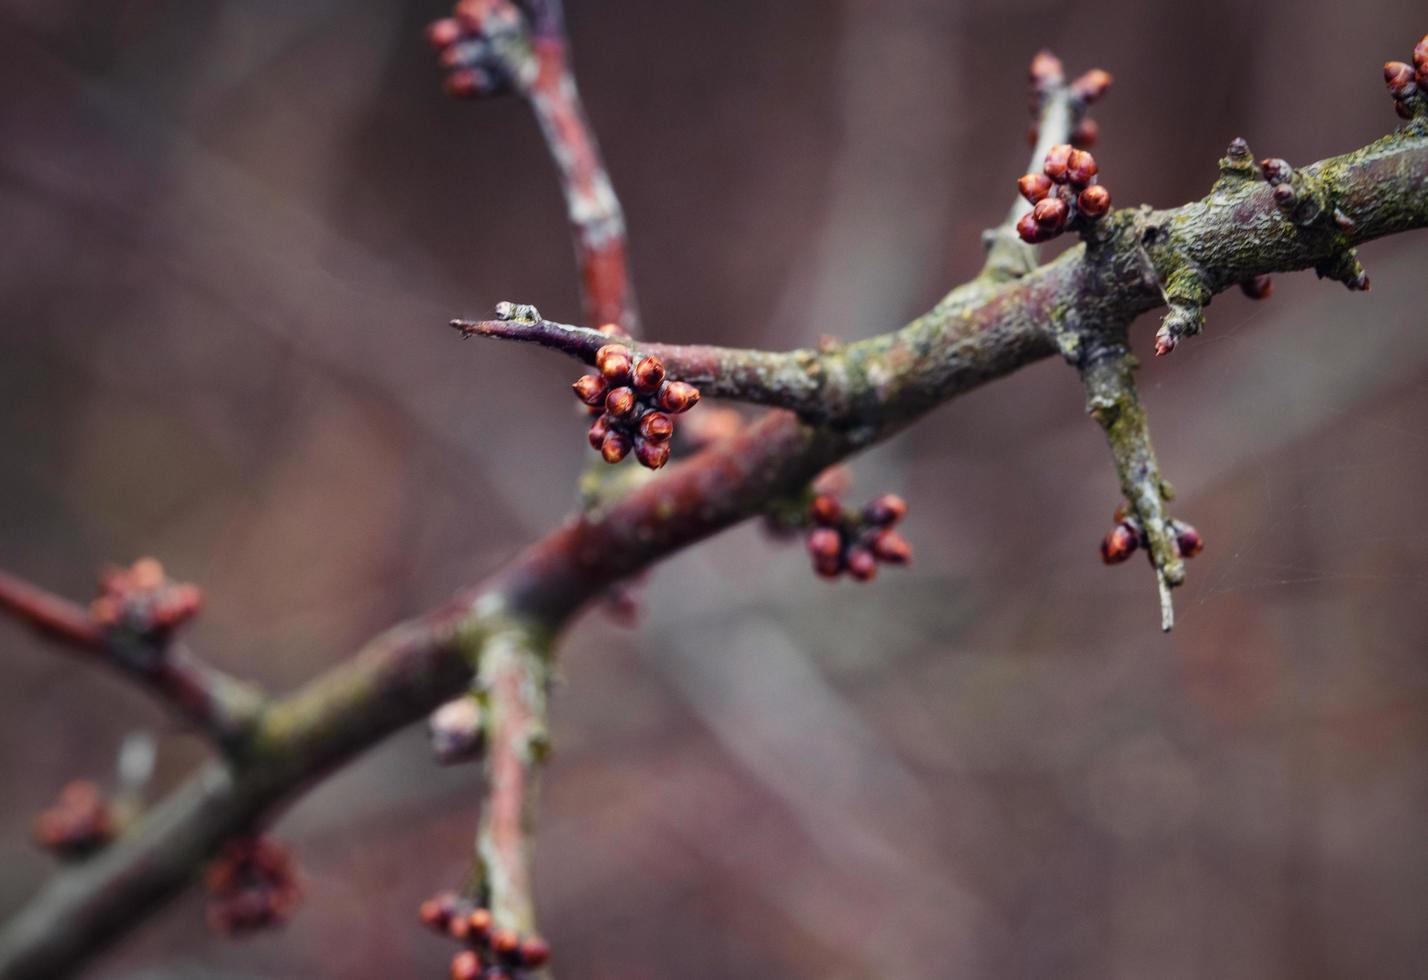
{"x": 232, "y": 232}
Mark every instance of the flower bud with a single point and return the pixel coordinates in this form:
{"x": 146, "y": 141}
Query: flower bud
{"x": 465, "y": 83}
{"x": 615, "y": 446}
{"x": 1080, "y": 168}
{"x": 1034, "y": 187}
{"x": 891, "y": 547}
{"x": 599, "y": 429}
{"x": 677, "y": 396}
{"x": 436, "y": 911}
{"x": 478, "y": 924}
{"x": 444, "y": 32}
{"x": 1056, "y": 161}
{"x": 620, "y": 402}
{"x": 1400, "y": 78}
{"x": 1050, "y": 214}
{"x": 456, "y": 733}
{"x": 652, "y": 455}
{"x": 1118, "y": 545}
{"x": 649, "y": 372}
{"x": 1094, "y": 201}
{"x": 886, "y": 511}
{"x": 613, "y": 361}
{"x": 1046, "y": 69}
{"x": 1187, "y": 540}
{"x": 466, "y": 965}
{"x": 828, "y": 566}
{"x": 505, "y": 943}
{"x": 590, "y": 389}
{"x": 862, "y": 565}
{"x": 534, "y": 952}
{"x": 1086, "y": 133}
{"x": 825, "y": 542}
{"x": 1276, "y": 171}
{"x": 1092, "y": 86}
{"x": 1285, "y": 196}
{"x": 1258, "y": 288}
{"x": 1031, "y": 232}
{"x": 1420, "y": 52}
{"x": 656, "y": 427}
{"x": 825, "y": 510}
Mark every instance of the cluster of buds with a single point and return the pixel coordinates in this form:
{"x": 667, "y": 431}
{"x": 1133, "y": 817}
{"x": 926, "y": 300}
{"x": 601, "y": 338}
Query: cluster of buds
{"x": 490, "y": 953}
{"x": 80, "y": 822}
{"x": 252, "y": 884}
{"x": 1128, "y": 535}
{"x": 484, "y": 47}
{"x": 456, "y": 731}
{"x": 854, "y": 541}
{"x": 141, "y": 598}
{"x": 1408, "y": 84}
{"x": 633, "y": 401}
{"x": 1046, "y": 73}
{"x": 1303, "y": 198}
{"x": 1065, "y": 195}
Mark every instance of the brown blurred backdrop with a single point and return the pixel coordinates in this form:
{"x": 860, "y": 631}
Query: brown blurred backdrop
{"x": 232, "y": 233}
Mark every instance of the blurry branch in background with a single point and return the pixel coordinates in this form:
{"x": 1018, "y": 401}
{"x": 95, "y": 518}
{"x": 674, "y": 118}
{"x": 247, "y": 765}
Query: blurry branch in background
{"x": 132, "y": 627}
{"x": 499, "y": 634}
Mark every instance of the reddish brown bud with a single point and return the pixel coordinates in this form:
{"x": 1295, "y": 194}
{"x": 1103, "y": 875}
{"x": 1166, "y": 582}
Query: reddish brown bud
{"x": 613, "y": 361}
{"x": 505, "y": 943}
{"x": 1091, "y": 86}
{"x": 478, "y": 924}
{"x": 1164, "y": 342}
{"x": 1276, "y": 171}
{"x": 1080, "y": 168}
{"x": 656, "y": 427}
{"x": 1050, "y": 214}
{"x": 1086, "y": 133}
{"x": 444, "y": 32}
{"x": 862, "y": 565}
{"x": 1187, "y": 540}
{"x": 1285, "y": 196}
{"x": 677, "y": 396}
{"x": 1420, "y": 52}
{"x": 1400, "y": 78}
{"x": 652, "y": 455}
{"x": 466, "y": 965}
{"x": 620, "y": 402}
{"x": 436, "y": 911}
{"x": 1094, "y": 201}
{"x": 456, "y": 732}
{"x": 1046, "y": 69}
{"x": 649, "y": 372}
{"x": 615, "y": 446}
{"x": 1258, "y": 288}
{"x": 590, "y": 389}
{"x": 465, "y": 83}
{"x": 1118, "y": 545}
{"x": 825, "y": 510}
{"x": 825, "y": 542}
{"x": 891, "y": 547}
{"x": 599, "y": 429}
{"x": 1031, "y": 232}
{"x": 535, "y": 952}
{"x": 887, "y": 510}
{"x": 1404, "y": 110}
{"x": 828, "y": 566}
{"x": 1034, "y": 187}
{"x": 1056, "y": 161}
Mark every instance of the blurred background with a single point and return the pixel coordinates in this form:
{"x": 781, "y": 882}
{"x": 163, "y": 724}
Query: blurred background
{"x": 232, "y": 235}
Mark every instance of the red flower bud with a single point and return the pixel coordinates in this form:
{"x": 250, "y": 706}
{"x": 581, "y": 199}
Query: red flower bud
{"x": 891, "y": 547}
{"x": 1056, "y": 160}
{"x": 677, "y": 396}
{"x": 465, "y": 83}
{"x": 1187, "y": 540}
{"x": 825, "y": 542}
{"x": 1285, "y": 196}
{"x": 615, "y": 446}
{"x": 886, "y": 510}
{"x": 620, "y": 402}
{"x": 613, "y": 361}
{"x": 652, "y": 455}
{"x": 1118, "y": 545}
{"x": 1046, "y": 69}
{"x": 435, "y": 912}
{"x": 828, "y": 566}
{"x": 444, "y": 32}
{"x": 535, "y": 952}
{"x": 1091, "y": 86}
{"x": 599, "y": 429}
{"x": 505, "y": 943}
{"x": 590, "y": 389}
{"x": 826, "y": 510}
{"x": 1086, "y": 133}
{"x": 1258, "y": 288}
{"x": 1034, "y": 187}
{"x": 1401, "y": 79}
{"x": 1420, "y": 52}
{"x": 862, "y": 565}
{"x": 1276, "y": 171}
{"x": 1080, "y": 168}
{"x": 1050, "y": 214}
{"x": 466, "y": 965}
{"x": 478, "y": 924}
{"x": 1031, "y": 232}
{"x": 1094, "y": 201}
{"x": 649, "y": 372}
{"x": 656, "y": 427}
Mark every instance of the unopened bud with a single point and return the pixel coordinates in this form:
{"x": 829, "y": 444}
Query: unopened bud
{"x": 1031, "y": 232}
{"x": 590, "y": 389}
{"x": 677, "y": 396}
{"x": 1046, "y": 69}
{"x": 1401, "y": 79}
{"x": 1258, "y": 288}
{"x": 613, "y": 361}
{"x": 599, "y": 429}
{"x": 649, "y": 372}
{"x": 1050, "y": 214}
{"x": 465, "y": 83}
{"x": 620, "y": 402}
{"x": 1276, "y": 171}
{"x": 615, "y": 446}
{"x": 862, "y": 565}
{"x": 656, "y": 427}
{"x": 1094, "y": 201}
{"x": 456, "y": 733}
{"x": 891, "y": 547}
{"x": 1056, "y": 161}
{"x": 1080, "y": 168}
{"x": 1118, "y": 545}
{"x": 505, "y": 943}
{"x": 886, "y": 511}
{"x": 1034, "y": 187}
{"x": 466, "y": 965}
{"x": 652, "y": 455}
{"x": 825, "y": 510}
{"x": 444, "y": 32}
{"x": 1092, "y": 86}
{"x": 1187, "y": 540}
{"x": 534, "y": 952}
{"x": 825, "y": 542}
{"x": 1086, "y": 133}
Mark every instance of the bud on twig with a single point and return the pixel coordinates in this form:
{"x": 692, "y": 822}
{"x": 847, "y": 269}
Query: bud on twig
{"x": 456, "y": 732}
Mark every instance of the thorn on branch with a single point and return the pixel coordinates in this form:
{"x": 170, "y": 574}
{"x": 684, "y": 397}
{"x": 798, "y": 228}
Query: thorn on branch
{"x": 1186, "y": 293}
{"x": 252, "y": 885}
